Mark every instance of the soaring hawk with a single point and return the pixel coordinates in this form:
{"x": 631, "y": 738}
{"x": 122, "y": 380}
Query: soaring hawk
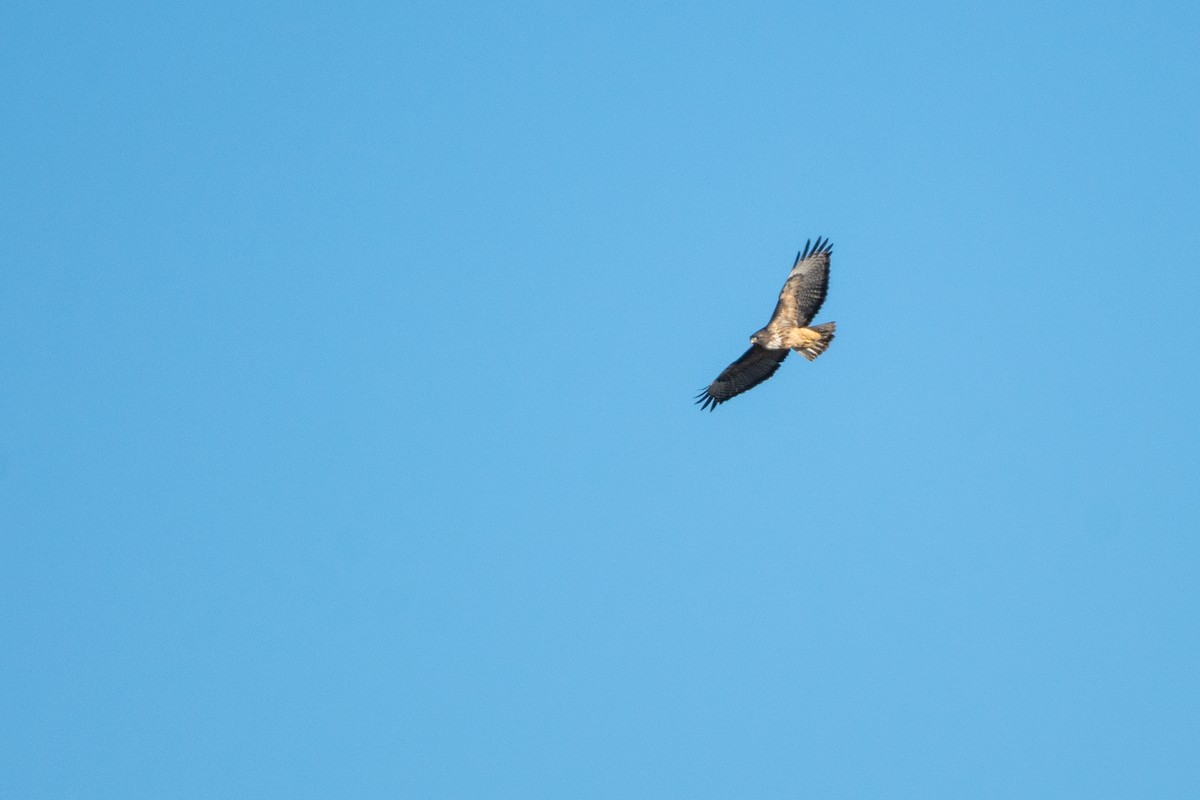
{"x": 801, "y": 299}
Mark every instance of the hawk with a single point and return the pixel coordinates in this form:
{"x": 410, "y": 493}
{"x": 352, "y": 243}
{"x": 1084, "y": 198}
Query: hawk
{"x": 801, "y": 299}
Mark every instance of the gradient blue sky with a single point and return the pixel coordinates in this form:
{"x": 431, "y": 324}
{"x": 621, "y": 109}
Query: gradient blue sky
{"x": 346, "y": 437}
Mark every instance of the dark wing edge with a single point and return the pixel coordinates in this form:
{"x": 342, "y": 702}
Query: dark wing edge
{"x": 755, "y": 366}
{"x": 804, "y": 291}
{"x": 822, "y": 247}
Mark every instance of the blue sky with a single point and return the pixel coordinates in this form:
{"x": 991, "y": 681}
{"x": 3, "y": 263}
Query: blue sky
{"x": 346, "y": 437}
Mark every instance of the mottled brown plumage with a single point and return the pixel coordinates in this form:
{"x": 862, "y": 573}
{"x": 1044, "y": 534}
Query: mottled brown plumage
{"x": 799, "y": 301}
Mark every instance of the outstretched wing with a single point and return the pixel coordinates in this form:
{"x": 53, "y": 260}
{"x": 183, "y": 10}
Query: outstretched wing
{"x": 804, "y": 290}
{"x": 755, "y": 366}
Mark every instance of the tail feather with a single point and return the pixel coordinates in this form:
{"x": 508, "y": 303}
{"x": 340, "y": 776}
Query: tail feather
{"x": 815, "y": 348}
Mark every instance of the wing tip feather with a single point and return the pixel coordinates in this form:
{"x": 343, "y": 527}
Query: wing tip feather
{"x": 822, "y": 246}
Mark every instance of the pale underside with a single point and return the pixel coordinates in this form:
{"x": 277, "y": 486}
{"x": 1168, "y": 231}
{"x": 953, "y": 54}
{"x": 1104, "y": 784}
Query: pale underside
{"x": 808, "y": 342}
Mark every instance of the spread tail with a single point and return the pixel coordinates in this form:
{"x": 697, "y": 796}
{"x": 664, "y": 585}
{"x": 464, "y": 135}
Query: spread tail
{"x": 813, "y": 348}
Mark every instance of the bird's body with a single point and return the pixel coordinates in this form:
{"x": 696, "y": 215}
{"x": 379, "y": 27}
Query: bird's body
{"x": 809, "y": 342}
{"x": 799, "y": 301}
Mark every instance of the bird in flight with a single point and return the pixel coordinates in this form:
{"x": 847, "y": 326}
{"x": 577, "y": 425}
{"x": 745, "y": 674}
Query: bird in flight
{"x": 799, "y": 301}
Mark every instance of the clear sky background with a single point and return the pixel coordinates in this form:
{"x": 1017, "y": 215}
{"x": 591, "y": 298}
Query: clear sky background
{"x": 347, "y": 446}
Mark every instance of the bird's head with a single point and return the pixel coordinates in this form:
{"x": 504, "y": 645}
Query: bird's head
{"x": 756, "y": 339}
